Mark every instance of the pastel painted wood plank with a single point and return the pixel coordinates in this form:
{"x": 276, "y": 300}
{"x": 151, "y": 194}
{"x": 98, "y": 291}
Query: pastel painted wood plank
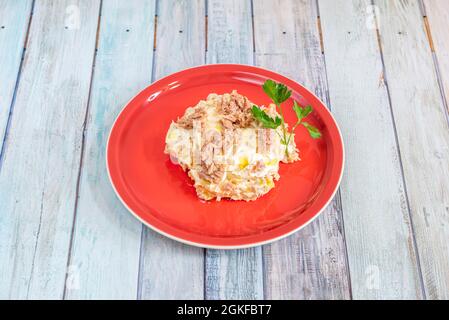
{"x": 106, "y": 242}
{"x": 310, "y": 264}
{"x": 229, "y": 30}
{"x": 423, "y": 135}
{"x": 41, "y": 162}
{"x": 438, "y": 16}
{"x": 379, "y": 237}
{"x": 168, "y": 269}
{"x": 232, "y": 274}
{"x": 14, "y": 20}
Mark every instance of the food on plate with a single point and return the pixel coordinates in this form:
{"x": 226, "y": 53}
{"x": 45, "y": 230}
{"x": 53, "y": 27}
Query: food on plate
{"x": 232, "y": 148}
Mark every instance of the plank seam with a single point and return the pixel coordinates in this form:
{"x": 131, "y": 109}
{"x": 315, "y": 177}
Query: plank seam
{"x": 415, "y": 245}
{"x": 156, "y": 16}
{"x": 16, "y": 86}
{"x": 440, "y": 85}
{"x": 320, "y": 32}
{"x": 83, "y": 139}
{"x": 139, "y": 274}
{"x": 422, "y": 7}
{"x": 253, "y": 30}
{"x": 156, "y": 21}
{"x": 143, "y": 230}
{"x": 435, "y": 59}
{"x": 155, "y": 32}
{"x": 206, "y": 28}
{"x": 428, "y": 33}
{"x": 348, "y": 271}
{"x": 262, "y": 248}
{"x": 264, "y": 273}
{"x": 338, "y": 194}
{"x": 205, "y": 274}
{"x": 262, "y": 254}
{"x": 37, "y": 240}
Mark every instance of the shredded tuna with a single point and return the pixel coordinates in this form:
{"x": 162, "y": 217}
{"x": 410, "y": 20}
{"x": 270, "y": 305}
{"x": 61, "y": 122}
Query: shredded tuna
{"x": 196, "y": 113}
{"x": 211, "y": 147}
{"x": 219, "y": 128}
{"x": 236, "y": 109}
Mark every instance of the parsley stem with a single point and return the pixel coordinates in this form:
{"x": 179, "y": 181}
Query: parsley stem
{"x": 293, "y": 130}
{"x": 284, "y": 131}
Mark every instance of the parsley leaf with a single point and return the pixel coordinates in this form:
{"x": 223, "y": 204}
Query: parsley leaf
{"x": 265, "y": 119}
{"x": 278, "y": 94}
{"x": 276, "y": 91}
{"x": 314, "y": 132}
{"x": 301, "y": 112}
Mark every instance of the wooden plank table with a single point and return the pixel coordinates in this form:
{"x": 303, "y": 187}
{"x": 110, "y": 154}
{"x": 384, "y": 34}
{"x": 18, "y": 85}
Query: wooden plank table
{"x": 67, "y": 68}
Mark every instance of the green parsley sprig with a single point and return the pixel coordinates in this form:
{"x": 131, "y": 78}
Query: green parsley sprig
{"x": 279, "y": 93}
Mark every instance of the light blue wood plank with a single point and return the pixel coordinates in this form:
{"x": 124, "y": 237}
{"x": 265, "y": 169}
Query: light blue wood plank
{"x": 232, "y": 274}
{"x": 170, "y": 270}
{"x": 423, "y": 135}
{"x": 382, "y": 256}
{"x": 14, "y": 19}
{"x": 106, "y": 240}
{"x": 310, "y": 264}
{"x": 42, "y": 152}
{"x": 230, "y": 34}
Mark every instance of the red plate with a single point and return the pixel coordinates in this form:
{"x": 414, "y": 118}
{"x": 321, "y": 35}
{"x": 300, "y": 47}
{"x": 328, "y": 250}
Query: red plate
{"x": 160, "y": 194}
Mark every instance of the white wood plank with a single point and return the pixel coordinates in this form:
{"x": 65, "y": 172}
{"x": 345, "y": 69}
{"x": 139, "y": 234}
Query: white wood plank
{"x": 106, "y": 240}
{"x": 438, "y": 16}
{"x": 42, "y": 154}
{"x": 423, "y": 135}
{"x": 170, "y": 270}
{"x": 230, "y": 34}
{"x": 379, "y": 238}
{"x": 232, "y": 274}
{"x": 311, "y": 264}
{"x": 14, "y": 19}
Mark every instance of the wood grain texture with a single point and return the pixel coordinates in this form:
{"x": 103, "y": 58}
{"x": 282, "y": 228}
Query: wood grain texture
{"x": 14, "y": 19}
{"x": 378, "y": 233}
{"x": 106, "y": 241}
{"x": 230, "y": 34}
{"x": 438, "y": 16}
{"x": 171, "y": 270}
{"x": 423, "y": 135}
{"x": 311, "y": 264}
{"x": 232, "y": 274}
{"x": 42, "y": 154}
